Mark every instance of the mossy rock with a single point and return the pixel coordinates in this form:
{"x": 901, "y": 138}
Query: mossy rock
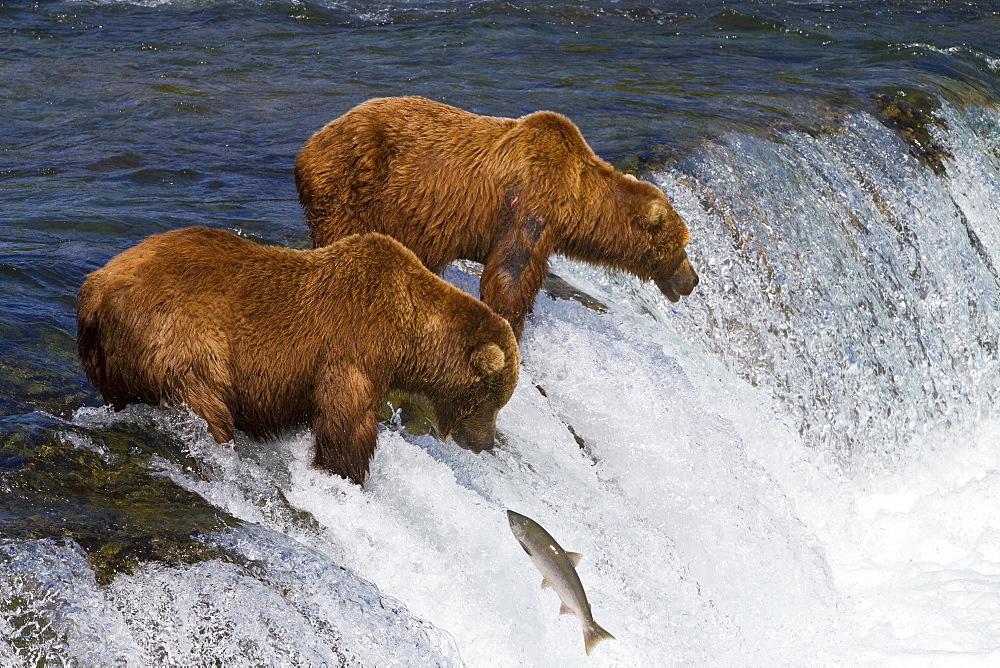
{"x": 911, "y": 114}
{"x": 36, "y": 387}
{"x": 413, "y": 413}
{"x": 654, "y": 159}
{"x": 107, "y": 500}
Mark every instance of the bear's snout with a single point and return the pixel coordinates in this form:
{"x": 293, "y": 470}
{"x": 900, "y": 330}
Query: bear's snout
{"x": 681, "y": 282}
{"x": 475, "y": 440}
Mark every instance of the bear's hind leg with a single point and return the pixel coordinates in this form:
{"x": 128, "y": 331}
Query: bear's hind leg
{"x": 210, "y": 407}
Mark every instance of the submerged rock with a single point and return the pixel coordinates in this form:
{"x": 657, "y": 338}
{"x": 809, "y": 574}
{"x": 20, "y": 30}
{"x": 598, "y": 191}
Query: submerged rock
{"x": 98, "y": 490}
{"x": 558, "y": 288}
{"x": 911, "y": 114}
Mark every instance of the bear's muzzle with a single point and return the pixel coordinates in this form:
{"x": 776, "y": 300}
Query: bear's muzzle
{"x": 474, "y": 439}
{"x": 679, "y": 282}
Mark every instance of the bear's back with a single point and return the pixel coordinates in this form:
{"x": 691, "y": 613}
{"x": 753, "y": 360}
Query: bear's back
{"x": 357, "y": 174}
{"x": 416, "y": 123}
{"x": 180, "y": 255}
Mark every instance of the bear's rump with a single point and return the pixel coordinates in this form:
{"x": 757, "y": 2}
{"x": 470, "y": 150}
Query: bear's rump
{"x": 157, "y": 353}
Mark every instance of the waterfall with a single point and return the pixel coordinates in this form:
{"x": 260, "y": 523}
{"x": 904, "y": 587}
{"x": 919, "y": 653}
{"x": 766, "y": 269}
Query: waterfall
{"x": 851, "y": 281}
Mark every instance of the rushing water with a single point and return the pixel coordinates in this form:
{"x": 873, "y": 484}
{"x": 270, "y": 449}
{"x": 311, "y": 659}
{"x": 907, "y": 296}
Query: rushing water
{"x": 797, "y": 464}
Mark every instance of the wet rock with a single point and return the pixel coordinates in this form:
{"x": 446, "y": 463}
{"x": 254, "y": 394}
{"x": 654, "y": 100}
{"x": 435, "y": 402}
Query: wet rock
{"x": 557, "y": 288}
{"x": 911, "y": 114}
{"x": 107, "y": 499}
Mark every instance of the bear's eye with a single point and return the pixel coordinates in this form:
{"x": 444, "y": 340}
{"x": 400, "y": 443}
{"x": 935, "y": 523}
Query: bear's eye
{"x": 675, "y": 262}
{"x": 471, "y": 408}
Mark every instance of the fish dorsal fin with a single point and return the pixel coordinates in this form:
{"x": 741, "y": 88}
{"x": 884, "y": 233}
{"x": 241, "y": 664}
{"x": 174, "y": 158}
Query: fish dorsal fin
{"x": 574, "y": 558}
{"x": 565, "y": 610}
{"x": 546, "y": 583}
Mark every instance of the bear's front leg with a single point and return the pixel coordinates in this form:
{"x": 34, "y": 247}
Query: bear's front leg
{"x": 514, "y": 268}
{"x": 345, "y": 424}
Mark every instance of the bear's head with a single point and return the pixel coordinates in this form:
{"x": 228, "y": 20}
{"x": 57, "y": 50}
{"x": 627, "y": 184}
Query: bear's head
{"x": 482, "y": 383}
{"x": 650, "y": 236}
{"x": 667, "y": 263}
{"x": 603, "y": 216}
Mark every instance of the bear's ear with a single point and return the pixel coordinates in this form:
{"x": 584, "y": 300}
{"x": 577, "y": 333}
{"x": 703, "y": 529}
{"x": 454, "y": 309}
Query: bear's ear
{"x": 655, "y": 217}
{"x": 487, "y": 359}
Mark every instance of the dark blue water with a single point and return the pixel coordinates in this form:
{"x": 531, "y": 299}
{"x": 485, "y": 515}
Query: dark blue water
{"x": 119, "y": 120}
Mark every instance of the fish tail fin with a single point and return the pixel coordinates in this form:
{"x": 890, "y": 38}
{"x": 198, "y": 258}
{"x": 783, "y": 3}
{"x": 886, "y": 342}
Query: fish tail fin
{"x": 593, "y": 634}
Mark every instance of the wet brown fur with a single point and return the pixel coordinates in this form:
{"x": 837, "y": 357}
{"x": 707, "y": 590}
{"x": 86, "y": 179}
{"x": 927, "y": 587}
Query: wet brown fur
{"x": 259, "y": 338}
{"x": 505, "y": 192}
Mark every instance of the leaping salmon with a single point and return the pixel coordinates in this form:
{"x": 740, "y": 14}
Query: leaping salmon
{"x": 558, "y": 571}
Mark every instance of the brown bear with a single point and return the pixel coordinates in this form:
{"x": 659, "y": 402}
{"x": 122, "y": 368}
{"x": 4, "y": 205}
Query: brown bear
{"x": 505, "y": 192}
{"x": 259, "y": 338}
